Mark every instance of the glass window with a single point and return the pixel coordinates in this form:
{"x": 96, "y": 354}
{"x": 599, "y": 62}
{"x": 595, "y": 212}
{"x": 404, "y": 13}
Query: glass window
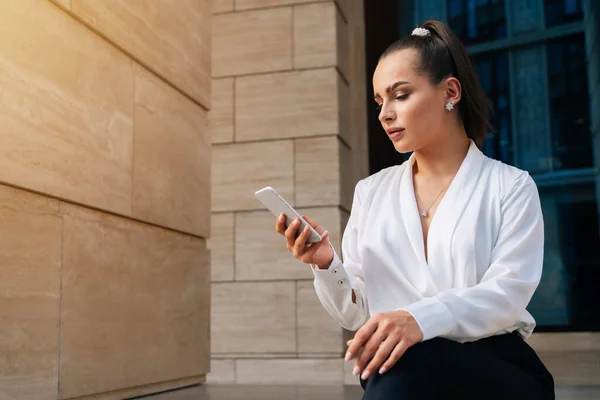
{"x": 476, "y": 21}
{"x": 492, "y": 69}
{"x": 569, "y": 103}
{"x": 568, "y": 293}
{"x": 559, "y": 12}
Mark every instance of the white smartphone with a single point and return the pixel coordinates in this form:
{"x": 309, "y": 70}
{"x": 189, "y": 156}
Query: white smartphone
{"x": 277, "y": 205}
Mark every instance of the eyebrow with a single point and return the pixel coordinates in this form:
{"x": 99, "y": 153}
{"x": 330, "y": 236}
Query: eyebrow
{"x": 392, "y": 87}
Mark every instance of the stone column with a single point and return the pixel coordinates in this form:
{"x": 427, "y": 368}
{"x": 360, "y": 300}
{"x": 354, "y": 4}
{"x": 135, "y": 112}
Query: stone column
{"x": 289, "y": 112}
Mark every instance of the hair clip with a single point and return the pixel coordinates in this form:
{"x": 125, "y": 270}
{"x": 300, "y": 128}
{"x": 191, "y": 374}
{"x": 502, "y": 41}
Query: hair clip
{"x": 420, "y": 32}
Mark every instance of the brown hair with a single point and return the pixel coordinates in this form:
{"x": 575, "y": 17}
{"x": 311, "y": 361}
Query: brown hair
{"x": 443, "y": 55}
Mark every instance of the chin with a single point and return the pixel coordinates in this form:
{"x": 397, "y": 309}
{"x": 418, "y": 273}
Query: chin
{"x": 403, "y": 146}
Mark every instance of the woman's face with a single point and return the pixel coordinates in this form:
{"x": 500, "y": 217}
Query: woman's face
{"x": 411, "y": 108}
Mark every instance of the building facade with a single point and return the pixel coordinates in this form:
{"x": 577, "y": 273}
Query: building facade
{"x": 294, "y": 110}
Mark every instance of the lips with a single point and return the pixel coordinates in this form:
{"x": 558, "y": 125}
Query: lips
{"x": 394, "y": 133}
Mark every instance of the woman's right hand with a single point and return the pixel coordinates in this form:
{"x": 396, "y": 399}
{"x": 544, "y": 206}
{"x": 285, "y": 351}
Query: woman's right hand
{"x": 319, "y": 254}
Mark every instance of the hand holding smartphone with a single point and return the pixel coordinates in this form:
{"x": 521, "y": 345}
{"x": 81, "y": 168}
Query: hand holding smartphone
{"x": 277, "y": 205}
{"x": 307, "y": 241}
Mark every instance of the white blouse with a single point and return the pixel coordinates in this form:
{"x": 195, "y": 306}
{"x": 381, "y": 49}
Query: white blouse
{"x": 484, "y": 261}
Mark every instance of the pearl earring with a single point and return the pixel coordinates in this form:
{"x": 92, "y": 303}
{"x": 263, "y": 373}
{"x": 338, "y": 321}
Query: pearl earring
{"x": 450, "y": 105}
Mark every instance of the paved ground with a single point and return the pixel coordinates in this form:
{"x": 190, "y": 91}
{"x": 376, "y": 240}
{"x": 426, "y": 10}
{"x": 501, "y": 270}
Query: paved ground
{"x": 240, "y": 392}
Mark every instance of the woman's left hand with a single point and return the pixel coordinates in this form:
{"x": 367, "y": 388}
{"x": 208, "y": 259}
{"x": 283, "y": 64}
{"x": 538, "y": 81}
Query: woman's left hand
{"x": 388, "y": 336}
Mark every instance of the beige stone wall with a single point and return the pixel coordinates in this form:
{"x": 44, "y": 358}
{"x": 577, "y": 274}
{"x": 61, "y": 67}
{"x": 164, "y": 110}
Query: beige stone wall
{"x": 104, "y": 197}
{"x": 289, "y": 112}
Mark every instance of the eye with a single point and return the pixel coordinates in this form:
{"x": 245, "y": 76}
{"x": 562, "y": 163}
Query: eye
{"x": 402, "y": 97}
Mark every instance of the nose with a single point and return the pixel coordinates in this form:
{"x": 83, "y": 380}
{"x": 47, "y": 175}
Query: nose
{"x": 386, "y": 114}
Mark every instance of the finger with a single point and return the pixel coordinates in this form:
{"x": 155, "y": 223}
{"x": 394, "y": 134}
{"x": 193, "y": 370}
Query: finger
{"x": 314, "y": 224}
{"x": 360, "y": 338}
{"x": 384, "y": 351}
{"x": 280, "y": 224}
{"x": 300, "y": 243}
{"x": 291, "y": 232}
{"x": 368, "y": 351}
{"x": 398, "y": 352}
{"x": 310, "y": 221}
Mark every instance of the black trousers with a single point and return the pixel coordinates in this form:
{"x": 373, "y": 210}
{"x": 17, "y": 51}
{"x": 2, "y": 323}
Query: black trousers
{"x": 501, "y": 367}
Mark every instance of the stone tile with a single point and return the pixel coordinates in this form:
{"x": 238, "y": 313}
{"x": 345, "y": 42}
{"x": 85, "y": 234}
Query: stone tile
{"x": 315, "y": 34}
{"x": 223, "y": 5}
{"x": 573, "y": 368}
{"x": 348, "y": 172}
{"x": 174, "y": 42}
{"x": 345, "y": 113}
{"x": 221, "y": 115}
{"x": 254, "y": 317}
{"x": 320, "y": 37}
{"x": 66, "y": 108}
{"x": 317, "y": 157}
{"x": 261, "y": 253}
{"x": 221, "y": 245}
{"x": 346, "y": 8}
{"x": 343, "y": 45}
{"x": 318, "y": 332}
{"x": 251, "y": 4}
{"x": 290, "y": 371}
{"x": 252, "y": 42}
{"x": 63, "y": 3}
{"x": 30, "y": 254}
{"x": 239, "y": 170}
{"x": 172, "y": 156}
{"x": 286, "y": 105}
{"x": 565, "y": 341}
{"x": 141, "y": 309}
{"x": 221, "y": 371}
{"x": 177, "y": 385}
{"x": 350, "y": 379}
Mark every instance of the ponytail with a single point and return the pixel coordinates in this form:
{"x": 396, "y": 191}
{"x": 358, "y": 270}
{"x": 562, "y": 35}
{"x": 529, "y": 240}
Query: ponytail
{"x": 443, "y": 55}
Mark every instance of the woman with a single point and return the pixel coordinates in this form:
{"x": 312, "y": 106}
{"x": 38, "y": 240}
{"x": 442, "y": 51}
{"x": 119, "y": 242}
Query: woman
{"x": 443, "y": 253}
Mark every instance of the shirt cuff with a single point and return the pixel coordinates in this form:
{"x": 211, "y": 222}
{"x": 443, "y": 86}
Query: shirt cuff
{"x": 335, "y": 276}
{"x": 432, "y": 316}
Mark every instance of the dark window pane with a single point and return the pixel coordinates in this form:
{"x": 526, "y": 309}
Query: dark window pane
{"x": 476, "y": 21}
{"x": 492, "y": 69}
{"x": 568, "y": 293}
{"x": 569, "y": 103}
{"x": 559, "y": 12}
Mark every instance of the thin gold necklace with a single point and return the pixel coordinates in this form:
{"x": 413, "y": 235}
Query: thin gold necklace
{"x": 425, "y": 211}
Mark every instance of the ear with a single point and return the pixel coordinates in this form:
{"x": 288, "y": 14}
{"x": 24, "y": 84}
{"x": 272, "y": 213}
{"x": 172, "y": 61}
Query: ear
{"x": 453, "y": 90}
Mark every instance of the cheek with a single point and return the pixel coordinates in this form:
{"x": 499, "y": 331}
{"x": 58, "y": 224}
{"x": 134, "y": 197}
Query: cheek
{"x": 419, "y": 114}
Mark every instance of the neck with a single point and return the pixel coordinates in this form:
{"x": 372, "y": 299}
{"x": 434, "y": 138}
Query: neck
{"x": 443, "y": 159}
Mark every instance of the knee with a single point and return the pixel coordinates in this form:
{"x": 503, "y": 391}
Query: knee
{"x": 412, "y": 376}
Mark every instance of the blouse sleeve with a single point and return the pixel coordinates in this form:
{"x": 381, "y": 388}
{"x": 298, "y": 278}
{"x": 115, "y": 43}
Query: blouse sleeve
{"x": 506, "y": 288}
{"x": 334, "y": 285}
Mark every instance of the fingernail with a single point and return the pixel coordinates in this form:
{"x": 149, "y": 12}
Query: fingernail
{"x": 348, "y": 356}
{"x": 382, "y": 370}
{"x": 356, "y": 371}
{"x": 281, "y": 217}
{"x": 365, "y": 375}
{"x": 306, "y": 228}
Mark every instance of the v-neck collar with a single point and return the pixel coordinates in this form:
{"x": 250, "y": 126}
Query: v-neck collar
{"x": 449, "y": 210}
